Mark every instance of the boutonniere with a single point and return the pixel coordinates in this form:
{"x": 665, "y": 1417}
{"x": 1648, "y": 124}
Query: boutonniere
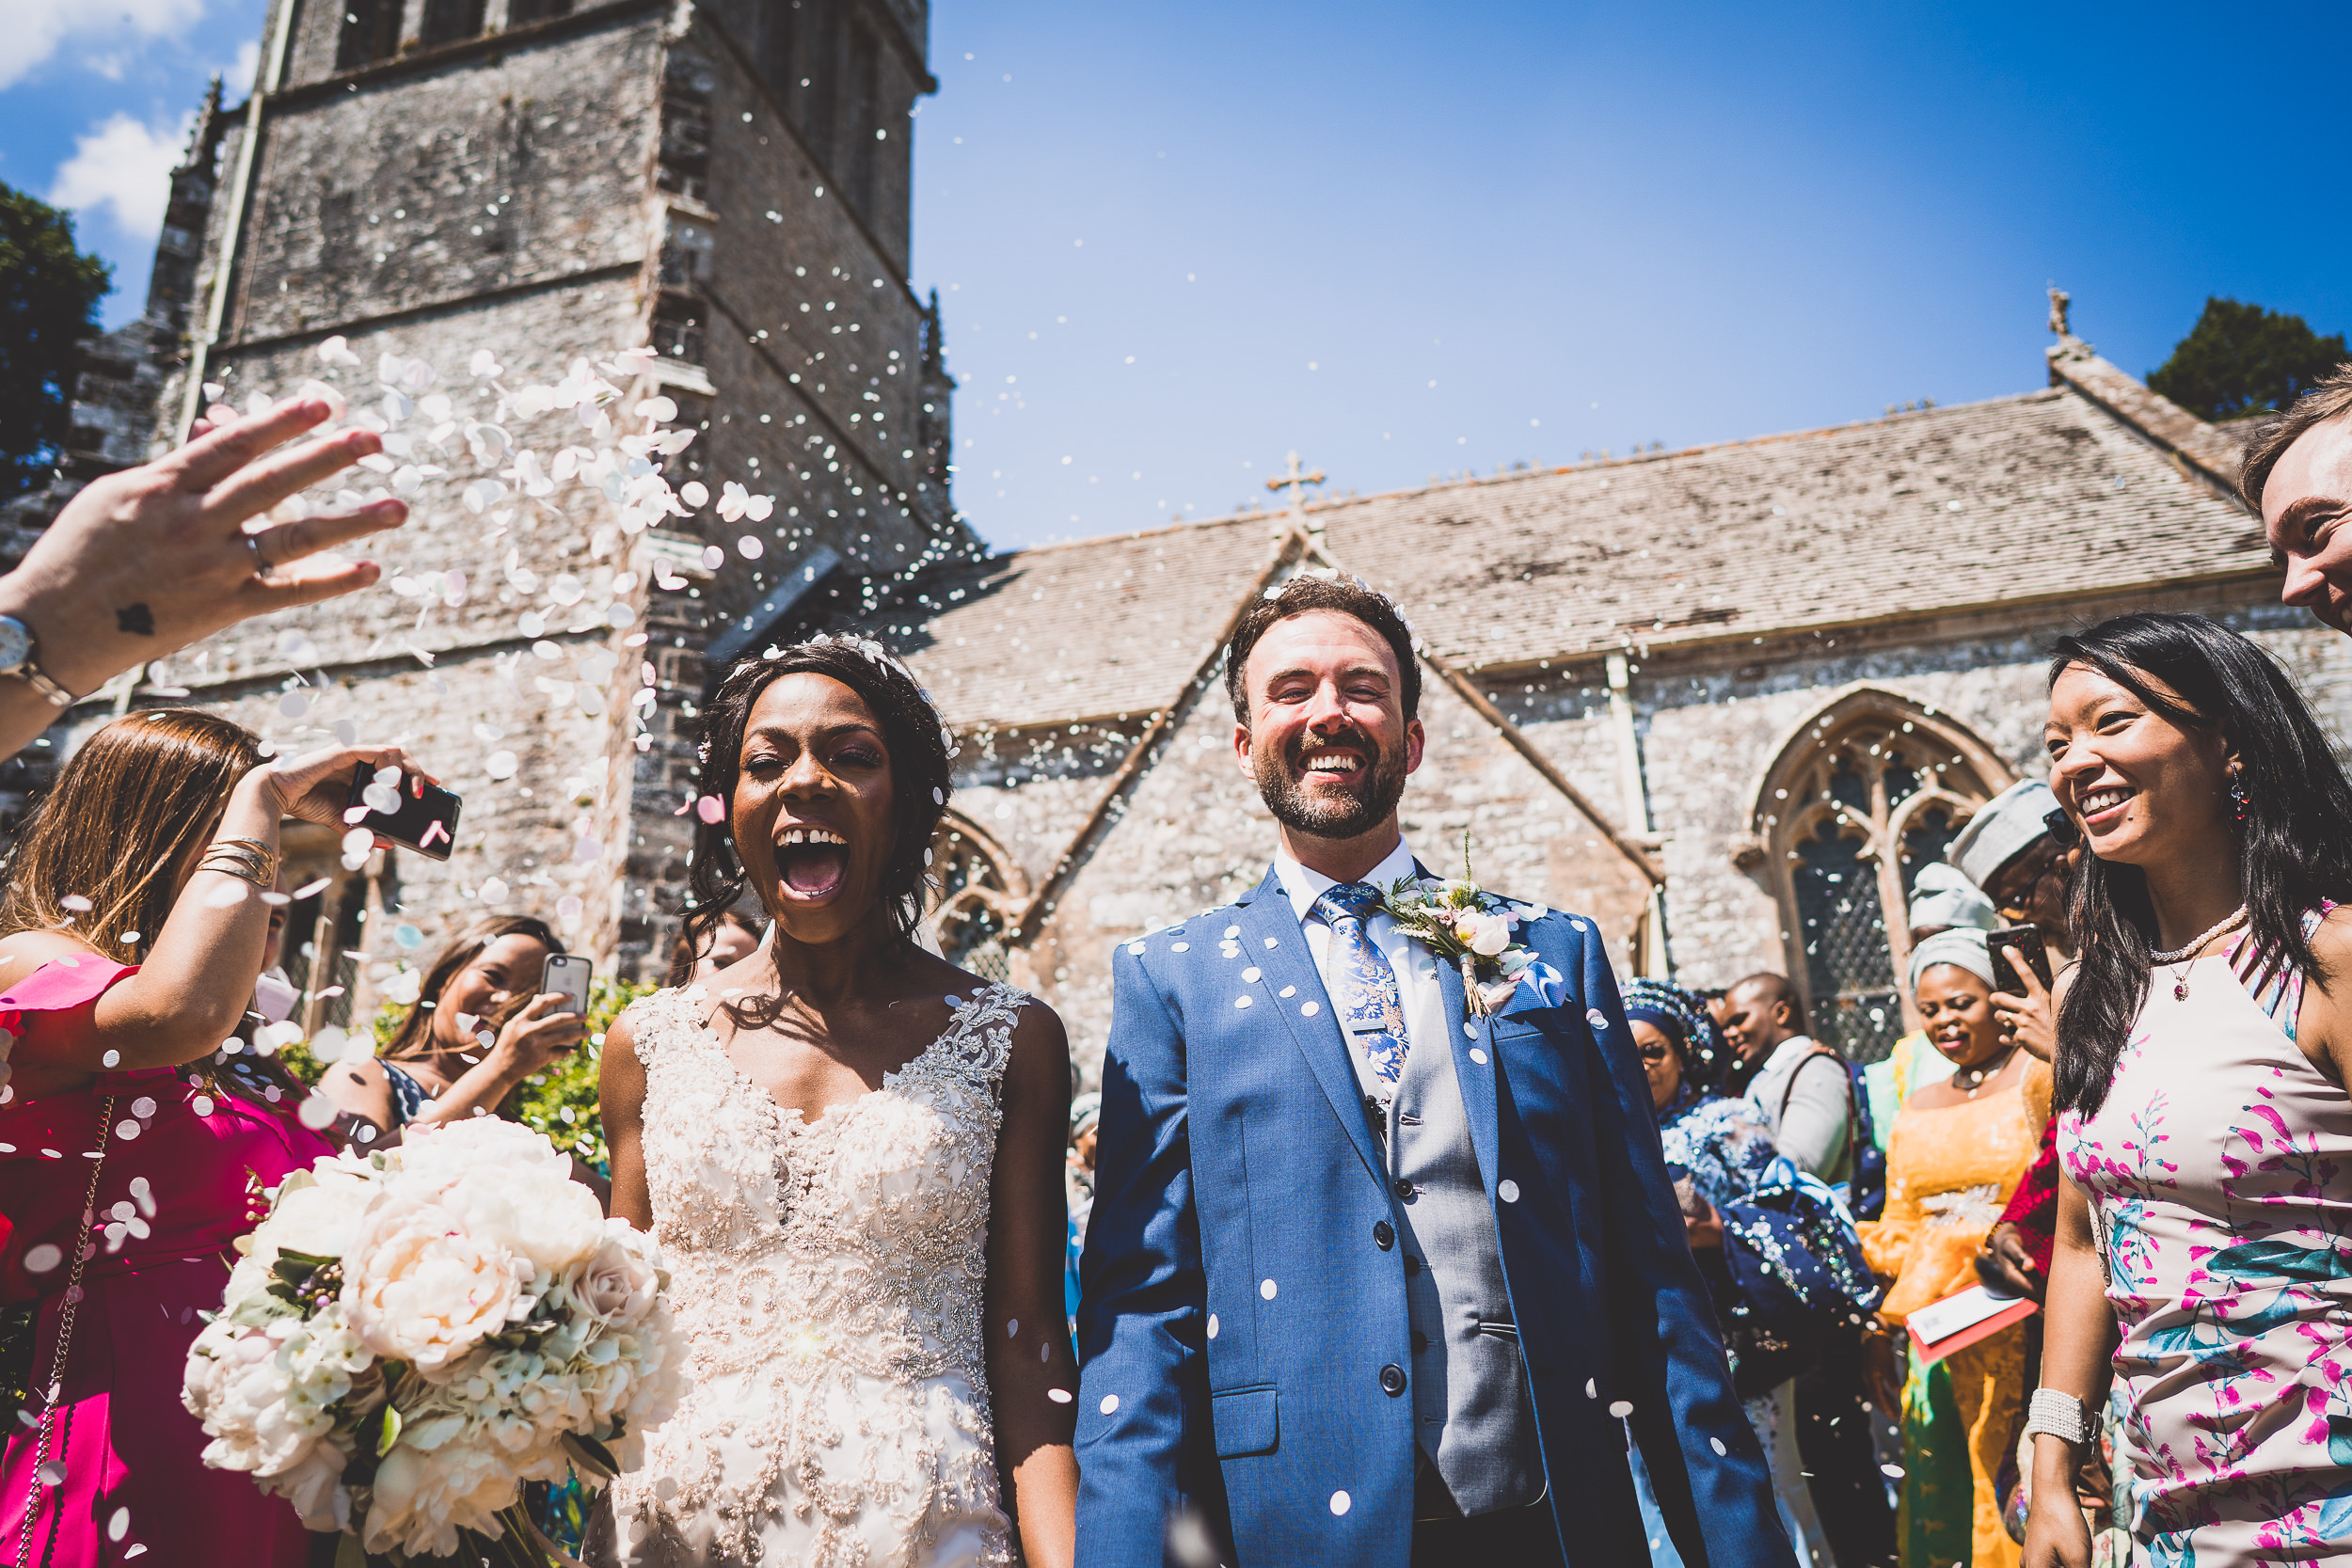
{"x": 1473, "y": 930}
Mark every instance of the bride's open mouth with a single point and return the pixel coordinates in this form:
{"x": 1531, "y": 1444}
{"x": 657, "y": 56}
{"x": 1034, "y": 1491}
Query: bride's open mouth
{"x": 814, "y": 862}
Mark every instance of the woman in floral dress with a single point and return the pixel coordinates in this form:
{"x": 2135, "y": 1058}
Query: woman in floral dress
{"x": 2204, "y": 1128}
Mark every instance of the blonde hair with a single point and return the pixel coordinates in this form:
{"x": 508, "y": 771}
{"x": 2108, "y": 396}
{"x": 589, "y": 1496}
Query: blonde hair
{"x": 125, "y": 815}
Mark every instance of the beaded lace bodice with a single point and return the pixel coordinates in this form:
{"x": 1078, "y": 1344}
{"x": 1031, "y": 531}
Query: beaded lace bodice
{"x": 828, "y": 1273}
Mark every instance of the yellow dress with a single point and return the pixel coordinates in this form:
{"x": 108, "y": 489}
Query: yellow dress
{"x": 1950, "y": 1171}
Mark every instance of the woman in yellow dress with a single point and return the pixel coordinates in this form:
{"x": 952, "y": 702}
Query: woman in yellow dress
{"x": 1958, "y": 1148}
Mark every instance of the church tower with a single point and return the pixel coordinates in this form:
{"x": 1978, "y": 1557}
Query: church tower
{"x": 550, "y": 180}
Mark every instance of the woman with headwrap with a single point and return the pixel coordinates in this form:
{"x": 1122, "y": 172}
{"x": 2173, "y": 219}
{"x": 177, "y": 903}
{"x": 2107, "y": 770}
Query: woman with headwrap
{"x": 1716, "y": 1148}
{"x": 1942, "y": 899}
{"x": 1958, "y": 1149}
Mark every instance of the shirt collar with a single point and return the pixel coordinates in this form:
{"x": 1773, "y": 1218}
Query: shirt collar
{"x": 1303, "y": 886}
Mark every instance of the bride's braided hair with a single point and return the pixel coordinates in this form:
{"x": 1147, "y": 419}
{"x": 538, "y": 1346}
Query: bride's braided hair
{"x": 919, "y": 748}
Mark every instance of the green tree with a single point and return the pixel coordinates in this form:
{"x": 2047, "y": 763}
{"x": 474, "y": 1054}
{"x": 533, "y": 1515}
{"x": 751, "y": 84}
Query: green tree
{"x": 2242, "y": 359}
{"x": 49, "y": 294}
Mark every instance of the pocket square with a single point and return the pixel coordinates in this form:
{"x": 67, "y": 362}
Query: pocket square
{"x": 1539, "y": 985}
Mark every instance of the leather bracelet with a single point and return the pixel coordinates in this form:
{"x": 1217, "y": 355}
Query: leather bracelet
{"x": 2061, "y": 1416}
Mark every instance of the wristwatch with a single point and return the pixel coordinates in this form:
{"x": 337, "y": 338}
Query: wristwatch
{"x": 16, "y": 658}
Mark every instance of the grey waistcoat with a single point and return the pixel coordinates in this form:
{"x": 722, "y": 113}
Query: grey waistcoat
{"x": 1470, "y": 1407}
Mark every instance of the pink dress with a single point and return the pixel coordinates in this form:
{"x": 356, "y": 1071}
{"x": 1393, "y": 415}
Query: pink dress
{"x": 184, "y": 1165}
{"x": 2219, "y": 1173}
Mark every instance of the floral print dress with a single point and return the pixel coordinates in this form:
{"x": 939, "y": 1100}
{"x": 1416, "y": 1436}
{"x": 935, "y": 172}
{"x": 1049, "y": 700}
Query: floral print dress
{"x": 2219, "y": 1175}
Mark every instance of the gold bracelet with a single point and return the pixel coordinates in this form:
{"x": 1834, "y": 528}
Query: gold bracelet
{"x": 257, "y": 857}
{"x": 233, "y": 862}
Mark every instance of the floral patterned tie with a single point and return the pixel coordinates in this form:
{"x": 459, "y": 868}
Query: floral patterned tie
{"x": 1362, "y": 982}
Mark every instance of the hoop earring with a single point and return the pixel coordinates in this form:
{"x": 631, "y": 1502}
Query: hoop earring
{"x": 2241, "y": 803}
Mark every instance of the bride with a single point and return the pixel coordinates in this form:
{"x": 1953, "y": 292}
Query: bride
{"x": 852, "y": 1154}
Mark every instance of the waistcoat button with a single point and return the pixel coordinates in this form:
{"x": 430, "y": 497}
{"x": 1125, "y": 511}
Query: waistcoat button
{"x": 1421, "y": 1342}
{"x": 1383, "y": 1235}
{"x": 1392, "y": 1379}
{"x": 1412, "y": 1265}
{"x": 1405, "y": 1189}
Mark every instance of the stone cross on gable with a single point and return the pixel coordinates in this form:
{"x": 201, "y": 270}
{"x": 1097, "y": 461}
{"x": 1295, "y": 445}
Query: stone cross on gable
{"x": 1295, "y": 482}
{"x": 2059, "y": 300}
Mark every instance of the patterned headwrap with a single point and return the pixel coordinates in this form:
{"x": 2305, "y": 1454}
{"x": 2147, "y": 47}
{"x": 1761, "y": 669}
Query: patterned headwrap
{"x": 1683, "y": 1018}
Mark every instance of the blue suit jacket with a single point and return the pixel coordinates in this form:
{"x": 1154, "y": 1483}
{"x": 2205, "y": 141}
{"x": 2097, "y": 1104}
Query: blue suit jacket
{"x": 1238, "y": 1312}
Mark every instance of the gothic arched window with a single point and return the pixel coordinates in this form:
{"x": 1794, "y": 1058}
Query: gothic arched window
{"x": 1871, "y": 789}
{"x": 978, "y": 900}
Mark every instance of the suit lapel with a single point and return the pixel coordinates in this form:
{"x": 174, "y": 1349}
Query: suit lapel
{"x": 1287, "y": 964}
{"x": 1476, "y": 1078}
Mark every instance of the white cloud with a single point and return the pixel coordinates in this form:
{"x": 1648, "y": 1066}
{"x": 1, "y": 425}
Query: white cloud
{"x": 35, "y": 27}
{"x": 126, "y": 165}
{"x": 236, "y": 79}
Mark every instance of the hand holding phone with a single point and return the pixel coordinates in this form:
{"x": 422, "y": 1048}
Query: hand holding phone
{"x": 566, "y": 975}
{"x": 2026, "y": 942}
{"x": 405, "y": 807}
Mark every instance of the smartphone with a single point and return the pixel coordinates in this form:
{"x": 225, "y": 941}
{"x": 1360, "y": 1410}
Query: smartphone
{"x": 2026, "y": 942}
{"x": 568, "y": 973}
{"x": 426, "y": 820}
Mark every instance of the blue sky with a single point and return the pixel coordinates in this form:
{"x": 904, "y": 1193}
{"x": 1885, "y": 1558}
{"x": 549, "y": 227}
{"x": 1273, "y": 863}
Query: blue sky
{"x": 1174, "y": 242}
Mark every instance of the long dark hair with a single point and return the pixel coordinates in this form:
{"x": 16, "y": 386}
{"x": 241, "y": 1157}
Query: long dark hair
{"x": 918, "y": 745}
{"x": 414, "y": 1038}
{"x": 2295, "y": 848}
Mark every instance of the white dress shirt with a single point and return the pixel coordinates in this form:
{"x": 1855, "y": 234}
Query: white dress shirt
{"x": 1416, "y": 968}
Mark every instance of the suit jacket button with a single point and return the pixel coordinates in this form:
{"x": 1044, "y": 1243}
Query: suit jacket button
{"x": 1412, "y": 1265}
{"x": 1392, "y": 1378}
{"x": 1421, "y": 1342}
{"x": 1383, "y": 1235}
{"x": 1405, "y": 1189}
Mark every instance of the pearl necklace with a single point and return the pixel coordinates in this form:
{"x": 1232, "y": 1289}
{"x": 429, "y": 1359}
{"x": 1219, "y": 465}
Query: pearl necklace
{"x": 1973, "y": 1078}
{"x": 2180, "y": 976}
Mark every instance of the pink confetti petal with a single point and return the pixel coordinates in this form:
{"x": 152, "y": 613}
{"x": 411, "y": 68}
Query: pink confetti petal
{"x": 711, "y": 810}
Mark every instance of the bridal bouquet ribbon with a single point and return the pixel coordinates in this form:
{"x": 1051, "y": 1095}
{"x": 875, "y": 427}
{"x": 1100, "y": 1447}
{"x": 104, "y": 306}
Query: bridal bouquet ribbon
{"x": 1471, "y": 928}
{"x": 415, "y": 1333}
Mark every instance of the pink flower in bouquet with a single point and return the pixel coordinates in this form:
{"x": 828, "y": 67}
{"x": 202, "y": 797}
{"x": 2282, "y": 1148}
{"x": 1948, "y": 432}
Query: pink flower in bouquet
{"x": 419, "y": 1288}
{"x": 618, "y": 1282}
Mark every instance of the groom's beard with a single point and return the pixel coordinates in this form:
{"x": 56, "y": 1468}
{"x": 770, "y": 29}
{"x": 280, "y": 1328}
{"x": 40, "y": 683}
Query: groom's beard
{"x": 1352, "y": 811}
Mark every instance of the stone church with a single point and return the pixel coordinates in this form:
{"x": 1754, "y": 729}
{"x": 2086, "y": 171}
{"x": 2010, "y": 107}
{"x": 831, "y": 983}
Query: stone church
{"x": 1724, "y": 700}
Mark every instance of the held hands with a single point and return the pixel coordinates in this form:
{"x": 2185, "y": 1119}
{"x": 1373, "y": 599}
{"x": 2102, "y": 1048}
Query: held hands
{"x": 150, "y": 560}
{"x": 2027, "y": 1016}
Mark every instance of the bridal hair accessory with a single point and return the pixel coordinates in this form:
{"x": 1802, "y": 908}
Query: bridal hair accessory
{"x": 413, "y": 1334}
{"x": 1470, "y": 928}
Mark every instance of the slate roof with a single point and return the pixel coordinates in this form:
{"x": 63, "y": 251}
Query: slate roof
{"x": 2020, "y": 499}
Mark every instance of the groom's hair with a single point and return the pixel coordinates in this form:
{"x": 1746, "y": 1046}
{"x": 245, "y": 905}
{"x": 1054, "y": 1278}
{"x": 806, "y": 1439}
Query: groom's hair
{"x": 1302, "y": 596}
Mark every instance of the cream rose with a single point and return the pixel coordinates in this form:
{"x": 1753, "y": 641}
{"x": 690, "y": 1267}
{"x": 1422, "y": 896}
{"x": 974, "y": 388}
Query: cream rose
{"x": 1488, "y": 934}
{"x": 417, "y": 1288}
{"x": 619, "y": 1280}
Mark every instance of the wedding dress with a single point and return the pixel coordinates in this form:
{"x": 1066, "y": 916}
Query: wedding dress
{"x": 829, "y": 1273}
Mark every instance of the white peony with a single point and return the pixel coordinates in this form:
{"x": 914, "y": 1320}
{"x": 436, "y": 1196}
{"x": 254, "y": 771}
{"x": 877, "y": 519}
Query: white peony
{"x": 423, "y": 1496}
{"x": 319, "y": 1219}
{"x": 419, "y": 1288}
{"x": 505, "y": 1184}
{"x": 1484, "y": 934}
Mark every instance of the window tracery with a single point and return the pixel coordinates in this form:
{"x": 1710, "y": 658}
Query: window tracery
{"x": 1872, "y": 789}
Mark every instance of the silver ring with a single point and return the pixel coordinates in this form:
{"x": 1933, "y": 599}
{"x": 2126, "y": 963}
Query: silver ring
{"x": 261, "y": 568}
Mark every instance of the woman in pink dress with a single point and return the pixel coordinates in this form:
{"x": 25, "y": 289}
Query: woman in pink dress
{"x": 2204, "y": 1241}
{"x": 134, "y": 1147}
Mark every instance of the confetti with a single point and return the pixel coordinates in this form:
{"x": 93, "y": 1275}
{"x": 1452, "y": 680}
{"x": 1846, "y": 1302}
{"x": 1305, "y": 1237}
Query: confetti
{"x": 711, "y": 809}
{"x": 76, "y": 902}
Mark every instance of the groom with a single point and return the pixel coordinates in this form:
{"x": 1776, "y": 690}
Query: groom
{"x": 1370, "y": 1281}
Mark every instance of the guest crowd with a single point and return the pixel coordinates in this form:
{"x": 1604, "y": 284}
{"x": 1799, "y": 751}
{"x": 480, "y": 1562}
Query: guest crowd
{"x": 2118, "y": 1135}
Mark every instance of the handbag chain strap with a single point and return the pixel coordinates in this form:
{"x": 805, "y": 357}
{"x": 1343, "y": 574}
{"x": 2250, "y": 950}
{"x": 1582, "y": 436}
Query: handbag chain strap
{"x": 82, "y": 1247}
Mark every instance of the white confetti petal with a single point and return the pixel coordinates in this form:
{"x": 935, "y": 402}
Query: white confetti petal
{"x": 1059, "y": 1396}
{"x": 1266, "y": 1289}
{"x": 1340, "y": 1503}
{"x": 1110, "y": 1404}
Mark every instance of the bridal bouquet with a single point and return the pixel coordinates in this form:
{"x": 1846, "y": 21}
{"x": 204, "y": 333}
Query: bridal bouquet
{"x": 414, "y": 1332}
